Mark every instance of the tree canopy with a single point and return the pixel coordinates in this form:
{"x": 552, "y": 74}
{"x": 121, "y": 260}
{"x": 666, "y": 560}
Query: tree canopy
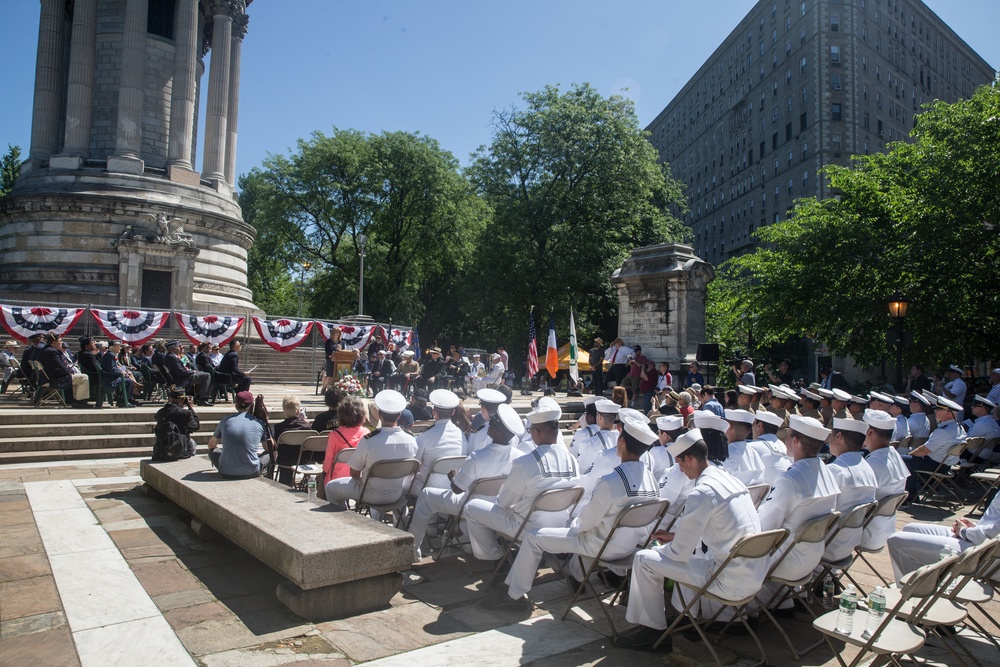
{"x": 10, "y": 167}
{"x": 921, "y": 219}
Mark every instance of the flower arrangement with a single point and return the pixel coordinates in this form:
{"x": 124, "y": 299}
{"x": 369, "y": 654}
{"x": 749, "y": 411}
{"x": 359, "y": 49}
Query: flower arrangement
{"x": 349, "y": 385}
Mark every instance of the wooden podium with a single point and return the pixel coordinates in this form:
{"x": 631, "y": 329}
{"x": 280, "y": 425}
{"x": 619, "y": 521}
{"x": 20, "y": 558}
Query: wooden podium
{"x": 342, "y": 361}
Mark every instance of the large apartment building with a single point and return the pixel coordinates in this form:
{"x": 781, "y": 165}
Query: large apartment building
{"x": 797, "y": 85}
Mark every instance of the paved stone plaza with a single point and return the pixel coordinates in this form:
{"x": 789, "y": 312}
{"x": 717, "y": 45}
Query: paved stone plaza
{"x": 94, "y": 572}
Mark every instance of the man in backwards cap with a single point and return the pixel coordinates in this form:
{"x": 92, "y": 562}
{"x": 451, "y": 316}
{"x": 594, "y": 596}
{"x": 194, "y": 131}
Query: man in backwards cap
{"x": 382, "y": 444}
{"x": 718, "y": 513}
{"x": 442, "y": 439}
{"x": 630, "y": 481}
{"x": 935, "y": 451}
{"x": 492, "y": 460}
{"x": 890, "y": 472}
{"x": 548, "y": 466}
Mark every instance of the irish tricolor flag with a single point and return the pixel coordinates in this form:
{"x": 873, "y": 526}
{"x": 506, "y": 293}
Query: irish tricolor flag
{"x": 552, "y": 351}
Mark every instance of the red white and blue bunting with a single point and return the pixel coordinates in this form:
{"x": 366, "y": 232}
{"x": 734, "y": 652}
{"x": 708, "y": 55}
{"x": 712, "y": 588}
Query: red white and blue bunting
{"x": 356, "y": 338}
{"x": 215, "y": 329}
{"x": 134, "y": 327}
{"x": 25, "y": 321}
{"x": 282, "y": 335}
{"x": 397, "y": 336}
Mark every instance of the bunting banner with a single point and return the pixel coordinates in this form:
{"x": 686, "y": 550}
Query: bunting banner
{"x": 326, "y": 329}
{"x": 215, "y": 329}
{"x": 415, "y": 343}
{"x": 356, "y": 338}
{"x": 25, "y": 321}
{"x": 282, "y": 335}
{"x": 397, "y": 336}
{"x": 134, "y": 327}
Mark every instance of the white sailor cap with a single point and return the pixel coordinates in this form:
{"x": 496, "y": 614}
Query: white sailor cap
{"x": 670, "y": 422}
{"x": 589, "y": 400}
{"x": 509, "y": 419}
{"x": 917, "y": 397}
{"x": 606, "y": 407}
{"x": 628, "y": 414}
{"x": 810, "y": 395}
{"x": 775, "y": 389}
{"x": 683, "y": 443}
{"x": 902, "y": 399}
{"x": 711, "y": 421}
{"x": 858, "y": 426}
{"x": 956, "y": 369}
{"x": 824, "y": 393}
{"x": 860, "y": 400}
{"x": 841, "y": 395}
{"x": 808, "y": 426}
{"x": 408, "y": 353}
{"x": 639, "y": 431}
{"x": 879, "y": 396}
{"x": 390, "y": 402}
{"x": 790, "y": 395}
{"x": 491, "y": 396}
{"x": 739, "y": 416}
{"x": 541, "y": 415}
{"x": 985, "y": 401}
{"x": 880, "y": 419}
{"x": 769, "y": 418}
{"x": 444, "y": 399}
{"x": 929, "y": 395}
{"x": 747, "y": 389}
{"x": 947, "y": 404}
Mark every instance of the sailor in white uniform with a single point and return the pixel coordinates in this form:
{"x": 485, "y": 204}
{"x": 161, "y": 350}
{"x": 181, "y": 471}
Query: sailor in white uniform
{"x": 443, "y": 438}
{"x": 548, "y": 466}
{"x": 807, "y": 490}
{"x": 920, "y": 544}
{"x": 935, "y": 451}
{"x": 896, "y": 409}
{"x": 771, "y": 450}
{"x": 489, "y": 401}
{"x": 854, "y": 477}
{"x": 982, "y": 424}
{"x": 890, "y": 473}
{"x": 525, "y": 444}
{"x": 629, "y": 482}
{"x": 918, "y": 423}
{"x": 606, "y": 437}
{"x": 382, "y": 444}
{"x": 743, "y": 463}
{"x": 493, "y": 460}
{"x": 658, "y": 459}
{"x": 588, "y": 426}
{"x": 717, "y": 513}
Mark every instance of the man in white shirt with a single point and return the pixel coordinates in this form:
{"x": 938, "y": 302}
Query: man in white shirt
{"x": 548, "y": 466}
{"x": 932, "y": 453}
{"x": 628, "y": 482}
{"x": 955, "y": 388}
{"x": 765, "y": 442}
{"x": 890, "y": 472}
{"x": 617, "y": 357}
{"x": 743, "y": 463}
{"x": 855, "y": 478}
{"x": 717, "y": 513}
{"x": 896, "y": 408}
{"x": 588, "y": 425}
{"x": 982, "y": 425}
{"x": 443, "y": 438}
{"x": 492, "y": 460}
{"x": 918, "y": 423}
{"x": 605, "y": 438}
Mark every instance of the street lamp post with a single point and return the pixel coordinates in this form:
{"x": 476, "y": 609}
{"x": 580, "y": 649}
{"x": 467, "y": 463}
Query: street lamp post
{"x": 898, "y": 305}
{"x": 362, "y": 241}
{"x": 303, "y": 267}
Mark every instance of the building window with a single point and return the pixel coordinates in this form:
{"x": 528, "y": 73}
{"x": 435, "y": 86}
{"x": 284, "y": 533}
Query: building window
{"x": 805, "y": 93}
{"x": 835, "y": 142}
{"x": 835, "y": 23}
{"x": 774, "y": 141}
{"x": 802, "y": 9}
{"x": 835, "y": 82}
{"x": 802, "y": 122}
{"x": 835, "y": 112}
{"x": 788, "y": 49}
{"x": 774, "y": 89}
{"x": 835, "y": 55}
{"x": 160, "y": 18}
{"x": 805, "y": 149}
{"x": 788, "y": 77}
{"x": 789, "y": 158}
{"x": 802, "y": 65}
{"x": 865, "y": 122}
{"x": 788, "y": 132}
{"x": 788, "y": 104}
{"x": 791, "y": 185}
{"x": 802, "y": 35}
{"x": 805, "y": 180}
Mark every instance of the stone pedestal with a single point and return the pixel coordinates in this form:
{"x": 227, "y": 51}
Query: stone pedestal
{"x": 661, "y": 301}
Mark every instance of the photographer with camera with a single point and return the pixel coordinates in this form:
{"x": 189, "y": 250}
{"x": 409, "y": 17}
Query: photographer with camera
{"x": 744, "y": 372}
{"x": 784, "y": 374}
{"x": 175, "y": 422}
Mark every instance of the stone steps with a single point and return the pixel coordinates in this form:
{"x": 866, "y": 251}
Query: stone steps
{"x": 52, "y": 455}
{"x": 72, "y": 429}
{"x": 142, "y": 440}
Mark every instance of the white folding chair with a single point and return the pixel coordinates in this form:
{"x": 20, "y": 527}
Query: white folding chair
{"x": 988, "y": 480}
{"x": 885, "y": 506}
{"x": 394, "y": 469}
{"x": 943, "y": 478}
{"x": 307, "y": 451}
{"x": 442, "y": 466}
{"x": 855, "y": 519}
{"x": 979, "y": 589}
{"x": 487, "y": 487}
{"x": 291, "y": 439}
{"x": 758, "y": 492}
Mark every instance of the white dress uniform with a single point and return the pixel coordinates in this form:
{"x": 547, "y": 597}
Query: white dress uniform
{"x": 890, "y": 473}
{"x": 744, "y": 464}
{"x": 774, "y": 454}
{"x": 857, "y": 482}
{"x": 675, "y": 486}
{"x": 477, "y": 439}
{"x": 586, "y": 432}
{"x": 627, "y": 483}
{"x": 718, "y": 512}
{"x": 984, "y": 427}
{"x": 919, "y": 425}
{"x": 944, "y": 436}
{"x": 920, "y": 544}
{"x": 546, "y": 467}
{"x": 807, "y": 490}
{"x": 442, "y": 439}
{"x": 382, "y": 444}
{"x": 491, "y": 379}
{"x": 604, "y": 463}
{"x": 958, "y": 388}
{"x": 592, "y": 448}
{"x": 902, "y": 428}
{"x": 491, "y": 461}
{"x": 658, "y": 460}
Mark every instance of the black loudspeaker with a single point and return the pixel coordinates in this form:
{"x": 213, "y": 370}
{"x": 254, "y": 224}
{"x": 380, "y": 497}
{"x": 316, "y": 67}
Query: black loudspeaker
{"x": 708, "y": 352}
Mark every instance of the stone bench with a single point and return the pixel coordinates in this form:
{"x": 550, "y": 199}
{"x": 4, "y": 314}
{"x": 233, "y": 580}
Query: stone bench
{"x": 337, "y": 563}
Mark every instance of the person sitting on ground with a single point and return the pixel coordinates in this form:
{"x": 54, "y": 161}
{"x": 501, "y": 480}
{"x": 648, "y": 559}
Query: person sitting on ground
{"x": 180, "y": 410}
{"x": 230, "y": 365}
{"x": 241, "y": 436}
{"x": 327, "y": 420}
{"x": 349, "y": 431}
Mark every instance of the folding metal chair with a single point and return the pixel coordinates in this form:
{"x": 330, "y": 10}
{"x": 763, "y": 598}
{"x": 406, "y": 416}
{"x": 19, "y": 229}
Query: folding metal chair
{"x": 886, "y": 506}
{"x": 311, "y": 446}
{"x": 893, "y": 637}
{"x": 442, "y": 466}
{"x": 905, "y": 442}
{"x": 344, "y": 455}
{"x": 487, "y": 487}
{"x": 973, "y": 446}
{"x": 641, "y": 514}
{"x": 751, "y": 547}
{"x": 942, "y": 478}
{"x": 917, "y": 442}
{"x": 43, "y": 387}
{"x": 811, "y": 532}
{"x": 553, "y": 500}
{"x": 972, "y": 585}
{"x": 988, "y": 480}
{"x": 291, "y": 439}
{"x": 394, "y": 469}
{"x": 758, "y": 492}
{"x": 855, "y": 519}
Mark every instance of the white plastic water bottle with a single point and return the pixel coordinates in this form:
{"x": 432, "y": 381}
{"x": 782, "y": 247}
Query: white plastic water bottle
{"x": 848, "y": 605}
{"x": 828, "y": 592}
{"x": 311, "y": 487}
{"x": 876, "y": 610}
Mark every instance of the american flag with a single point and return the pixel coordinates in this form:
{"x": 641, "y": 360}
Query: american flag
{"x": 532, "y": 348}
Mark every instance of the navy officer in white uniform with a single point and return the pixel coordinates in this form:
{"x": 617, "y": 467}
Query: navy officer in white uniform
{"x": 442, "y": 439}
{"x": 743, "y": 463}
{"x": 932, "y": 453}
{"x": 890, "y": 472}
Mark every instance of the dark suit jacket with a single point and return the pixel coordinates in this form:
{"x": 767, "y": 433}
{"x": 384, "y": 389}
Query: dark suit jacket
{"x": 89, "y": 362}
{"x": 110, "y": 366}
{"x": 178, "y": 372}
{"x": 55, "y": 366}
{"x": 231, "y": 364}
{"x": 203, "y": 362}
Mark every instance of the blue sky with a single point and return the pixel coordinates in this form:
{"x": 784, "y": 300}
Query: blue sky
{"x": 441, "y": 68}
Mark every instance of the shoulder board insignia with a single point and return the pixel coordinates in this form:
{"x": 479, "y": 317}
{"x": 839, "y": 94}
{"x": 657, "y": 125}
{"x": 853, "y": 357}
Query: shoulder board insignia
{"x": 374, "y": 433}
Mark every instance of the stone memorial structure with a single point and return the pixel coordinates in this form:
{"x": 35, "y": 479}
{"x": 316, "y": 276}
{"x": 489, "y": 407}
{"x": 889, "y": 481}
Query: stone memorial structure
{"x": 109, "y": 207}
{"x": 661, "y": 301}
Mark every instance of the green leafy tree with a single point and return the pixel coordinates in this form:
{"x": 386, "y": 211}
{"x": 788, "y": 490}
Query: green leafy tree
{"x": 10, "y": 165}
{"x": 920, "y": 218}
{"x": 271, "y": 267}
{"x": 575, "y": 185}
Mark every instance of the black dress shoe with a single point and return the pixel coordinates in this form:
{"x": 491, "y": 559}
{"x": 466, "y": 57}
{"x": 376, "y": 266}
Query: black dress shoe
{"x": 643, "y": 639}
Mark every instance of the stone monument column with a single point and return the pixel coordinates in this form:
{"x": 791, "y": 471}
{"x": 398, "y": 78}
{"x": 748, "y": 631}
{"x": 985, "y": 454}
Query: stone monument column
{"x": 239, "y": 32}
{"x": 218, "y": 91}
{"x": 80, "y": 87}
{"x": 128, "y": 139}
{"x": 47, "y": 107}
{"x": 182, "y": 101}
